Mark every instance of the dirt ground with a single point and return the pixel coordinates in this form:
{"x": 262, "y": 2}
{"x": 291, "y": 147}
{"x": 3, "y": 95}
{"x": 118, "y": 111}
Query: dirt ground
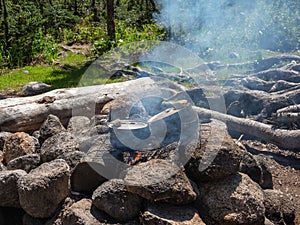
{"x": 285, "y": 168}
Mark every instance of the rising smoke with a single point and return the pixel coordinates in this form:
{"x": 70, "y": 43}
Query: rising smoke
{"x": 216, "y": 28}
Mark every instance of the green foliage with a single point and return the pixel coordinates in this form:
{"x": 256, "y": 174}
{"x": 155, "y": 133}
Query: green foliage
{"x": 36, "y": 28}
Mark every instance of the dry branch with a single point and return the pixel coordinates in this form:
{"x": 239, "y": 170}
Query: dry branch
{"x": 287, "y": 139}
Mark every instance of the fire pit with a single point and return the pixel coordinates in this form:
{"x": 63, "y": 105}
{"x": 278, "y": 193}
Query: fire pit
{"x": 162, "y": 129}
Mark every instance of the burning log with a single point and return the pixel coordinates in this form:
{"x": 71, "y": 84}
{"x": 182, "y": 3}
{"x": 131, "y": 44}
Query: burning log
{"x": 286, "y": 139}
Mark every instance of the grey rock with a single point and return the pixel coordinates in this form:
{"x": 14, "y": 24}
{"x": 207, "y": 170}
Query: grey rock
{"x": 250, "y": 167}
{"x": 113, "y": 198}
{"x": 95, "y": 167}
{"x": 36, "y": 134}
{"x": 8, "y": 188}
{"x": 2, "y": 96}
{"x": 256, "y": 168}
{"x": 26, "y": 162}
{"x": 3, "y": 136}
{"x": 34, "y": 88}
{"x": 42, "y": 190}
{"x": 235, "y": 199}
{"x": 57, "y": 145}
{"x": 267, "y": 179}
{"x": 80, "y": 213}
{"x": 170, "y": 215}
{"x": 279, "y": 207}
{"x": 78, "y": 124}
{"x": 160, "y": 181}
{"x": 50, "y": 127}
{"x": 217, "y": 161}
{"x": 18, "y": 144}
{"x": 86, "y": 177}
{"x": 72, "y": 158}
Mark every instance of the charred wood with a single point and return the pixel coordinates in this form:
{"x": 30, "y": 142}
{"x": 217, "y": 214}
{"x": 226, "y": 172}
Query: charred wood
{"x": 286, "y": 139}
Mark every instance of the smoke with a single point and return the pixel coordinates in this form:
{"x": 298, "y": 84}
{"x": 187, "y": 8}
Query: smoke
{"x": 215, "y": 28}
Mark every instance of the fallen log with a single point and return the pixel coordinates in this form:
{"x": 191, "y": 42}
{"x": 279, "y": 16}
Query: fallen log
{"x": 286, "y": 139}
{"x": 28, "y": 113}
{"x": 279, "y": 74}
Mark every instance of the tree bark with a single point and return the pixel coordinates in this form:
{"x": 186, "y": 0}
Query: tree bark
{"x": 28, "y": 113}
{"x": 95, "y": 11}
{"x": 286, "y": 139}
{"x": 5, "y": 22}
{"x": 111, "y": 27}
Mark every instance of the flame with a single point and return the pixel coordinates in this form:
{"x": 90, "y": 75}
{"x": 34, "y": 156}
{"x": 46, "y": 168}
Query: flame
{"x": 137, "y": 157}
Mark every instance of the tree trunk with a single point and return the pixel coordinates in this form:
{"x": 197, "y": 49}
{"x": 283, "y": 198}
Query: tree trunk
{"x": 111, "y": 28}
{"x": 5, "y": 22}
{"x": 76, "y": 7}
{"x": 286, "y": 139}
{"x": 27, "y": 114}
{"x": 95, "y": 11}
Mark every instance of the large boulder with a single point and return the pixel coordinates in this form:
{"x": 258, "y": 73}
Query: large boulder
{"x": 279, "y": 207}
{"x": 18, "y": 144}
{"x": 42, "y": 190}
{"x": 113, "y": 198}
{"x": 57, "y": 145}
{"x": 160, "y": 181}
{"x": 213, "y": 161}
{"x": 8, "y": 188}
{"x": 26, "y": 162}
{"x": 233, "y": 200}
{"x": 170, "y": 215}
{"x": 50, "y": 127}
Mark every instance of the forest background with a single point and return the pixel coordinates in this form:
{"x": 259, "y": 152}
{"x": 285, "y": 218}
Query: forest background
{"x": 36, "y": 36}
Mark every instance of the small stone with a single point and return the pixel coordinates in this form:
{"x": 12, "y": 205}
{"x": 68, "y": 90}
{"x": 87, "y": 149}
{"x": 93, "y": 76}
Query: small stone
{"x": 113, "y": 198}
{"x": 8, "y": 188}
{"x": 18, "y": 144}
{"x": 42, "y": 190}
{"x": 57, "y": 145}
{"x": 34, "y": 88}
{"x": 160, "y": 181}
{"x": 50, "y": 127}
{"x": 170, "y": 215}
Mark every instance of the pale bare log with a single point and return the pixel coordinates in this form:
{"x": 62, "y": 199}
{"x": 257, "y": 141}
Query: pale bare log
{"x": 28, "y": 113}
{"x": 287, "y": 139}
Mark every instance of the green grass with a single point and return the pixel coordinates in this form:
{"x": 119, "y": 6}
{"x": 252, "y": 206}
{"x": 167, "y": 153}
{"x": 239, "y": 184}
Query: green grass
{"x": 66, "y": 74}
